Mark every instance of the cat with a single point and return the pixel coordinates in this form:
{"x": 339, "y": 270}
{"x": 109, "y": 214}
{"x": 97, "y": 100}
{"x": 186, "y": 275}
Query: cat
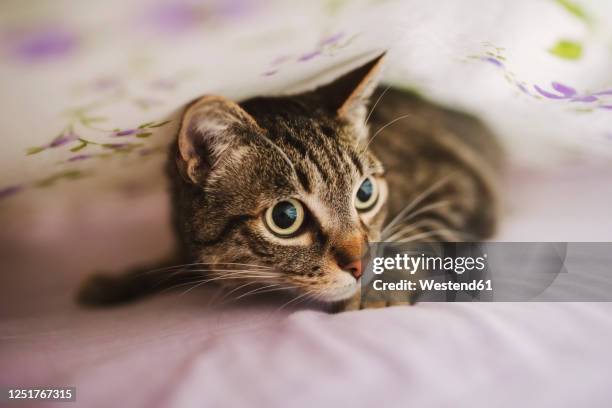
{"x": 286, "y": 192}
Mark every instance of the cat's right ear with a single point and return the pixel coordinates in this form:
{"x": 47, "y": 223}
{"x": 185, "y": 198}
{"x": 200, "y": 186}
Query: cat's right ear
{"x": 347, "y": 96}
{"x": 208, "y": 131}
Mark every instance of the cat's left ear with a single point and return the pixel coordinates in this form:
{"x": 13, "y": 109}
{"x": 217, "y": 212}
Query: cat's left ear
{"x": 208, "y": 132}
{"x": 348, "y": 95}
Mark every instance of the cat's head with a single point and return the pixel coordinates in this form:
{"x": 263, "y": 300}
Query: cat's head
{"x": 287, "y": 183}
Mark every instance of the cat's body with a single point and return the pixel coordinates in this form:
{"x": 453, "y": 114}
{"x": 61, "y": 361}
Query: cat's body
{"x": 244, "y": 176}
{"x": 430, "y": 144}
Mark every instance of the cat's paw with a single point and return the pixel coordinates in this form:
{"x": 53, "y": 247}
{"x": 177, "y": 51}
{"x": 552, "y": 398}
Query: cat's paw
{"x": 378, "y": 304}
{"x": 358, "y": 302}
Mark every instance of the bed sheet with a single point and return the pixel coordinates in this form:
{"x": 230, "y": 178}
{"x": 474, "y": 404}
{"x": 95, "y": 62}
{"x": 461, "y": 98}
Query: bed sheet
{"x": 174, "y": 350}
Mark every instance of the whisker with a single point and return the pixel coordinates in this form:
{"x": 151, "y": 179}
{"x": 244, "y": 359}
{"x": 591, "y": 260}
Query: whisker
{"x": 417, "y": 200}
{"x": 193, "y": 287}
{"x": 433, "y": 233}
{"x": 167, "y": 268}
{"x": 383, "y": 128}
{"x": 213, "y": 299}
{"x": 292, "y": 300}
{"x": 304, "y": 299}
{"x": 428, "y": 207}
{"x": 236, "y": 271}
{"x": 227, "y": 273}
{"x": 277, "y": 289}
{"x": 203, "y": 264}
{"x": 238, "y": 288}
{"x": 224, "y": 276}
{"x": 178, "y": 286}
{"x": 255, "y": 291}
{"x": 216, "y": 279}
{"x": 452, "y": 234}
{"x": 375, "y": 104}
{"x": 417, "y": 211}
{"x": 404, "y": 229}
{"x": 234, "y": 263}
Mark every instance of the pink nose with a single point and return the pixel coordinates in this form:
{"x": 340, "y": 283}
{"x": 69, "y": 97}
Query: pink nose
{"x": 354, "y": 268}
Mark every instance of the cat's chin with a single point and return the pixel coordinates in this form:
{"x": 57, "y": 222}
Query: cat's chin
{"x": 338, "y": 294}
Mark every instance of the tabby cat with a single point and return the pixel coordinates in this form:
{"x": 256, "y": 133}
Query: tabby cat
{"x": 285, "y": 192}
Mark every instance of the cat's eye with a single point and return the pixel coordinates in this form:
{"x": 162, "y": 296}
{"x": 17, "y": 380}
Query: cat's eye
{"x": 367, "y": 195}
{"x": 285, "y": 217}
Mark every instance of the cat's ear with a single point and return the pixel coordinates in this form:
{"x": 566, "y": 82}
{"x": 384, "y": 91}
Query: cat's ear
{"x": 348, "y": 95}
{"x": 208, "y": 130}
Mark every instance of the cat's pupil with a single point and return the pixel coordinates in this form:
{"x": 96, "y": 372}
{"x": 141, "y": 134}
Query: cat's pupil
{"x": 365, "y": 191}
{"x": 284, "y": 214}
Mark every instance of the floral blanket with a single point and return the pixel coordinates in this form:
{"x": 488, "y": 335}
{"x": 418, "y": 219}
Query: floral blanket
{"x": 89, "y": 88}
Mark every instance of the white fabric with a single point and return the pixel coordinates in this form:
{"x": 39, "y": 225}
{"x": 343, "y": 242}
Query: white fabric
{"x": 109, "y": 72}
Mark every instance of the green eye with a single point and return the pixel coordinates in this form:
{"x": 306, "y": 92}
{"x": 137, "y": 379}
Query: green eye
{"x": 285, "y": 217}
{"x": 367, "y": 195}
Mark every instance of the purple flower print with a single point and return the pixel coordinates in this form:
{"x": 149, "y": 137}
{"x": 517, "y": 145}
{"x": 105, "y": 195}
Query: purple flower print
{"x": 9, "y": 191}
{"x": 175, "y": 17}
{"x": 523, "y": 89}
{"x": 62, "y": 139}
{"x": 127, "y": 132}
{"x": 567, "y": 93}
{"x": 270, "y": 72}
{"x": 547, "y": 94}
{"x": 80, "y": 157}
{"x": 603, "y": 93}
{"x": 43, "y": 43}
{"x": 233, "y": 9}
{"x": 586, "y": 98}
{"x": 331, "y": 40}
{"x": 275, "y": 65}
{"x": 118, "y": 146}
{"x": 558, "y": 91}
{"x": 493, "y": 61}
{"x": 141, "y": 131}
{"x": 550, "y": 95}
{"x": 309, "y": 55}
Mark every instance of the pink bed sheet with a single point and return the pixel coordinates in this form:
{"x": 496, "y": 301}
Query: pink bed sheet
{"x": 174, "y": 351}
